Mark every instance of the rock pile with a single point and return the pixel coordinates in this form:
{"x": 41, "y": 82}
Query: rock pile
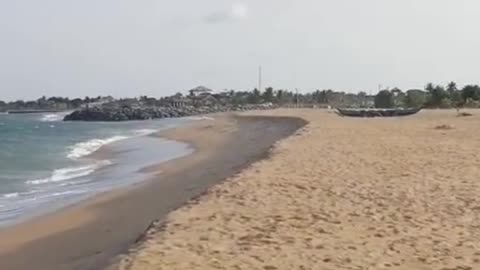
{"x": 126, "y": 113}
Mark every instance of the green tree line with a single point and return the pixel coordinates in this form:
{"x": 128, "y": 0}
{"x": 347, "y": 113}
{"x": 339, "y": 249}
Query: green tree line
{"x": 51, "y": 103}
{"x": 432, "y": 96}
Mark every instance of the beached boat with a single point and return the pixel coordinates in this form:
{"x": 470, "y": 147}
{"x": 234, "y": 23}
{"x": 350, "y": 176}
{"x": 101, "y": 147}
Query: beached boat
{"x": 377, "y": 112}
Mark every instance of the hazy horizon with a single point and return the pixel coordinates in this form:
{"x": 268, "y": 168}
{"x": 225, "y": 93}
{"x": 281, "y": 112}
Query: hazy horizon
{"x": 126, "y": 48}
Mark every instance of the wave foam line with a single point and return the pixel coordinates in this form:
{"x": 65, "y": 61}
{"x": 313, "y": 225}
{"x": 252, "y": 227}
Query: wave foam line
{"x": 53, "y": 117}
{"x": 69, "y": 173}
{"x": 83, "y": 149}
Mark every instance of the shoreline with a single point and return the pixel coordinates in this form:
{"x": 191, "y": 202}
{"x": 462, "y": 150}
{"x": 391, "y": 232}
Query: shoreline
{"x": 89, "y": 167}
{"x": 91, "y": 233}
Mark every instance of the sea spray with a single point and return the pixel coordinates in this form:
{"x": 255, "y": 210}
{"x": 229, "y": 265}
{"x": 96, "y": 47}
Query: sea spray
{"x": 52, "y": 117}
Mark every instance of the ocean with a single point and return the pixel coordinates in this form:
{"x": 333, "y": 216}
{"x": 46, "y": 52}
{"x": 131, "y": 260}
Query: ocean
{"x": 47, "y": 164}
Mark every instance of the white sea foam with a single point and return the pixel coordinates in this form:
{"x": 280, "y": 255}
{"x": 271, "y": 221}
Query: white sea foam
{"x": 69, "y": 192}
{"x": 64, "y": 174}
{"x": 83, "y": 149}
{"x": 11, "y": 195}
{"x": 52, "y": 117}
{"x": 201, "y": 118}
{"x": 144, "y": 132}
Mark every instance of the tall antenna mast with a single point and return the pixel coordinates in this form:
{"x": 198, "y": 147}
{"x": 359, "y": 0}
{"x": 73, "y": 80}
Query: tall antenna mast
{"x": 260, "y": 78}
{"x": 296, "y": 97}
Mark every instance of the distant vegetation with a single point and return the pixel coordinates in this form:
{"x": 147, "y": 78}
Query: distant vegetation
{"x": 433, "y": 96}
{"x": 51, "y": 103}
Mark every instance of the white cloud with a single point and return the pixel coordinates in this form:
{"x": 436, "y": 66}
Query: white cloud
{"x": 237, "y": 11}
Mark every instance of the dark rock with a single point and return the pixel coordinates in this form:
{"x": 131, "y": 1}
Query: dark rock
{"x": 117, "y": 112}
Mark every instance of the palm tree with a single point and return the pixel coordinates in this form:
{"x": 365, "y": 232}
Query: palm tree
{"x": 452, "y": 87}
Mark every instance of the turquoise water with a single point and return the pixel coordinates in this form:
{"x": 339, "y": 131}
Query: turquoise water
{"x": 45, "y": 163}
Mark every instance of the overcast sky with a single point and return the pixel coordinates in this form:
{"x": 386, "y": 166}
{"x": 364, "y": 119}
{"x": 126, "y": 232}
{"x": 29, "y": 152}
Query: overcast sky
{"x": 159, "y": 47}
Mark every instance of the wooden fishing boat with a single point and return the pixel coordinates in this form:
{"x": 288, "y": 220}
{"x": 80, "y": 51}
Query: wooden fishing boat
{"x": 378, "y": 112}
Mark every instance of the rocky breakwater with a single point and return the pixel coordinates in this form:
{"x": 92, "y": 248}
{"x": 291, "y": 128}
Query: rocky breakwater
{"x": 126, "y": 113}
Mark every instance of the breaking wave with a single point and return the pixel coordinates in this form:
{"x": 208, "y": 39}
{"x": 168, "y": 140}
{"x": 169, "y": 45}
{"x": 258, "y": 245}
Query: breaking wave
{"x": 11, "y": 195}
{"x": 52, "y": 117}
{"x": 83, "y": 149}
{"x": 64, "y": 174}
{"x": 144, "y": 132}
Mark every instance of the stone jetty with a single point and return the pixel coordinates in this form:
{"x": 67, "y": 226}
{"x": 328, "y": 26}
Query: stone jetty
{"x": 115, "y": 112}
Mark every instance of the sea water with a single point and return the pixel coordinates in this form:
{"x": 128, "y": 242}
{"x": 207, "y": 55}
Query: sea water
{"x": 46, "y": 164}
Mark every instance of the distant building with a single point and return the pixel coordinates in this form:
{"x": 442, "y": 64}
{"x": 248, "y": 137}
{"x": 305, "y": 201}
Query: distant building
{"x": 206, "y": 100}
{"x": 200, "y": 91}
{"x": 100, "y": 102}
{"x": 179, "y": 102}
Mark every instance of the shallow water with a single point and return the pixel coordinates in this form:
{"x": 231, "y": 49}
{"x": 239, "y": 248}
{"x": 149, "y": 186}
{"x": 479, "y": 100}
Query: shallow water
{"x": 46, "y": 164}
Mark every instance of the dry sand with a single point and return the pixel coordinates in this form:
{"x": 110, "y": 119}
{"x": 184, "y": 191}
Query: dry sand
{"x": 342, "y": 193}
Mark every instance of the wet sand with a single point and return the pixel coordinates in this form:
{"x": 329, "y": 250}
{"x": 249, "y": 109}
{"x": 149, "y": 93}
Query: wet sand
{"x": 343, "y": 193}
{"x": 88, "y": 235}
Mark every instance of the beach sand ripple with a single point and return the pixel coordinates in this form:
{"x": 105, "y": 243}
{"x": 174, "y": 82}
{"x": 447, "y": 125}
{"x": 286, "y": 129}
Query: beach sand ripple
{"x": 342, "y": 193}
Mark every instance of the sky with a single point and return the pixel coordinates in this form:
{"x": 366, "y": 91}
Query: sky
{"x": 157, "y": 47}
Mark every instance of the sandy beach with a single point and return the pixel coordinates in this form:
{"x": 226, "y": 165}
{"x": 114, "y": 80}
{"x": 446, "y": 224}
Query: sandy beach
{"x": 88, "y": 235}
{"x": 342, "y": 193}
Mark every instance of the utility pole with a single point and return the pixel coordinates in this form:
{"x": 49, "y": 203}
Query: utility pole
{"x": 260, "y": 79}
{"x": 296, "y": 97}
